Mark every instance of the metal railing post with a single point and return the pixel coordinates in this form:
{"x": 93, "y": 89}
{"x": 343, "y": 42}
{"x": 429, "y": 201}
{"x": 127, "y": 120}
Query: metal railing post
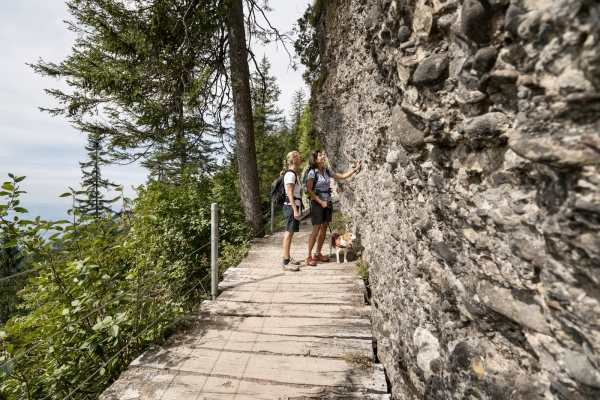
{"x": 272, "y": 217}
{"x": 214, "y": 250}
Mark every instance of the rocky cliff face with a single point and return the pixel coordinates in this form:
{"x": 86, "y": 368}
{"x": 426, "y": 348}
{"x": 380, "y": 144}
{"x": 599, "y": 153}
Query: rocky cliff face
{"x": 479, "y": 205}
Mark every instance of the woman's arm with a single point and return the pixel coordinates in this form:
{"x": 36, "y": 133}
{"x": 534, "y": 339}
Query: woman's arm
{"x": 309, "y": 188}
{"x": 347, "y": 174}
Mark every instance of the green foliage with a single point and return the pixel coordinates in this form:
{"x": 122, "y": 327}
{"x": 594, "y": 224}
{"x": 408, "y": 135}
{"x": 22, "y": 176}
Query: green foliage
{"x": 330, "y": 17}
{"x": 308, "y": 140}
{"x": 307, "y": 44}
{"x": 318, "y": 83}
{"x": 103, "y": 289}
{"x": 316, "y": 11}
{"x": 230, "y": 255}
{"x": 340, "y": 223}
{"x": 363, "y": 272}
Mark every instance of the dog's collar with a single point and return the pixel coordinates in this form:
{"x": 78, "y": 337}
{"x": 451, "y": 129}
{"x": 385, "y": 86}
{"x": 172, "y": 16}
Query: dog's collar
{"x": 336, "y": 239}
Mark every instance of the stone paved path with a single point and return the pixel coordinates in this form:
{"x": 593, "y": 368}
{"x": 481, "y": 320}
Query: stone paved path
{"x": 271, "y": 334}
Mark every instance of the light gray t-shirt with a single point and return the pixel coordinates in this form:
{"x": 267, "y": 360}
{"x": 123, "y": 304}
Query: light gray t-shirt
{"x": 291, "y": 178}
{"x": 322, "y": 182}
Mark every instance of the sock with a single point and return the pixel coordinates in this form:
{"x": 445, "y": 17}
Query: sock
{"x": 286, "y": 261}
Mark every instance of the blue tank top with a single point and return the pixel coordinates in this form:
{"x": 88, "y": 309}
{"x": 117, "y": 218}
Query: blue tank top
{"x": 322, "y": 182}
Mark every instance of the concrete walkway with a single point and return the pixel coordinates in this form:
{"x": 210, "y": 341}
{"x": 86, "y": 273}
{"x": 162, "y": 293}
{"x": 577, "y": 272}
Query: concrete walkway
{"x": 271, "y": 334}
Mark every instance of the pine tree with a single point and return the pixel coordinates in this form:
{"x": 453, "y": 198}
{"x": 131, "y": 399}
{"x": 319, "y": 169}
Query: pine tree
{"x": 284, "y": 129}
{"x": 154, "y": 72}
{"x": 284, "y": 134}
{"x": 267, "y": 121}
{"x": 298, "y": 105}
{"x": 94, "y": 203}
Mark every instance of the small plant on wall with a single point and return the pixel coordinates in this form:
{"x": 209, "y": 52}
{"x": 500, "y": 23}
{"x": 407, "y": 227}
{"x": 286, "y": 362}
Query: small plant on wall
{"x": 363, "y": 272}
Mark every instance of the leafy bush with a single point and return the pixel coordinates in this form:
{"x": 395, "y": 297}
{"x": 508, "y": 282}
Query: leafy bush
{"x": 104, "y": 289}
{"x": 340, "y": 223}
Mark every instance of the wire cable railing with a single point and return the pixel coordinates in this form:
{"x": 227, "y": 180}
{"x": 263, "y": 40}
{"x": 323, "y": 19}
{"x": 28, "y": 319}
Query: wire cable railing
{"x": 125, "y": 347}
{"x": 142, "y": 298}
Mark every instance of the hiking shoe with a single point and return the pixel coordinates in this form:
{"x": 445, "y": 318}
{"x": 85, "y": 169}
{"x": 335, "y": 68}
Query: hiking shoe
{"x": 309, "y": 261}
{"x": 290, "y": 267}
{"x": 294, "y": 262}
{"x": 321, "y": 257}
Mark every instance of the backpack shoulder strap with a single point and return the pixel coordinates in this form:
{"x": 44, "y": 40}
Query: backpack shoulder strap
{"x": 291, "y": 170}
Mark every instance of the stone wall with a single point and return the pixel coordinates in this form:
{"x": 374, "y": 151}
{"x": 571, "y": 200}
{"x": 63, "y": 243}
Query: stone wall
{"x": 479, "y": 204}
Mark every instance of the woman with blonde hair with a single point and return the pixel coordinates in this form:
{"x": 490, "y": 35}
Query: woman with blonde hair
{"x": 291, "y": 206}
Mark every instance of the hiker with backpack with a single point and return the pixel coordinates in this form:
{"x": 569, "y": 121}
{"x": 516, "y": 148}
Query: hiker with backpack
{"x": 291, "y": 204}
{"x": 318, "y": 189}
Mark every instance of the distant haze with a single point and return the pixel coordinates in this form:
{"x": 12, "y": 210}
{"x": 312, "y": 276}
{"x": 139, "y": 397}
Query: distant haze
{"x": 48, "y": 149}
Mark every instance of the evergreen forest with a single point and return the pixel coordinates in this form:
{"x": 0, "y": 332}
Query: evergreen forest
{"x": 163, "y": 83}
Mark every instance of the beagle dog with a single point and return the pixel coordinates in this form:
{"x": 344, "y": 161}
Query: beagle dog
{"x": 341, "y": 243}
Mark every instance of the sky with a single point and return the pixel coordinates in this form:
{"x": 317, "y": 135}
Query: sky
{"x": 48, "y": 149}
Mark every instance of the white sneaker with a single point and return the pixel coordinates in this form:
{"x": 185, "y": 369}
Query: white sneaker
{"x": 290, "y": 267}
{"x": 294, "y": 262}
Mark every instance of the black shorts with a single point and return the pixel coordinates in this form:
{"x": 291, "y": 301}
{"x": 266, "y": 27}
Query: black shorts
{"x": 291, "y": 224}
{"x": 318, "y": 214}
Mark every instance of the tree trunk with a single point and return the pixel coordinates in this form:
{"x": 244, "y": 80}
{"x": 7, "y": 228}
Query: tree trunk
{"x": 242, "y": 115}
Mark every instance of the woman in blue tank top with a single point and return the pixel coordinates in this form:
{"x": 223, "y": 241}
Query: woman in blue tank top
{"x": 321, "y": 209}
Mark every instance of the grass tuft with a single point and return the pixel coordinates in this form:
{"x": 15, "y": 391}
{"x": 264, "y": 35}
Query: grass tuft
{"x": 363, "y": 271}
{"x": 358, "y": 359}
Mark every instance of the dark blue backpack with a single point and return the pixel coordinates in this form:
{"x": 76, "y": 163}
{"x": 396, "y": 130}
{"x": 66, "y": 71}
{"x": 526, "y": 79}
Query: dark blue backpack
{"x": 278, "y": 194}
